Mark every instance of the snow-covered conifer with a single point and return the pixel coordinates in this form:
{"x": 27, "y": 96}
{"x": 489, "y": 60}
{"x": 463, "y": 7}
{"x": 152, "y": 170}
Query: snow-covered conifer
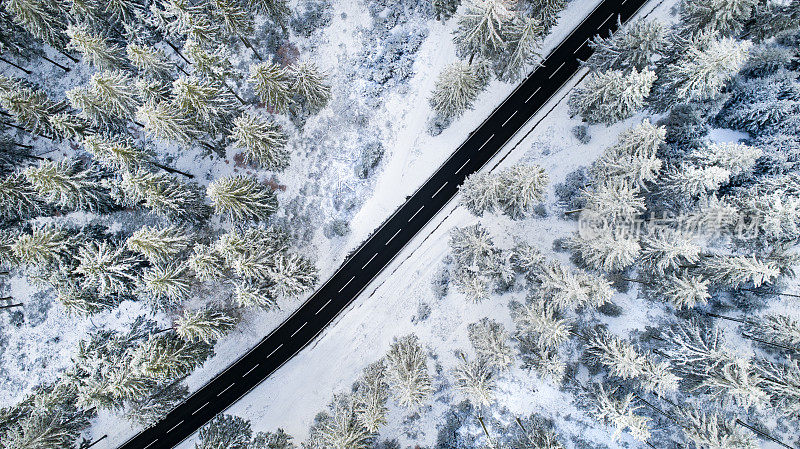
{"x": 272, "y": 440}
{"x": 566, "y": 289}
{"x": 548, "y": 11}
{"x": 621, "y": 413}
{"x": 726, "y": 17}
{"x": 108, "y": 269}
{"x": 165, "y": 356}
{"x": 545, "y": 362}
{"x": 159, "y": 244}
{"x": 735, "y": 381}
{"x": 31, "y": 108}
{"x": 632, "y": 160}
{"x": 523, "y": 35}
{"x": 243, "y": 198}
{"x": 515, "y": 190}
{"x": 83, "y": 302}
{"x": 473, "y": 248}
{"x": 272, "y": 84}
{"x": 70, "y": 126}
{"x": 708, "y": 431}
{"x": 205, "y": 325}
{"x": 310, "y": 84}
{"x": 480, "y": 27}
{"x": 697, "y": 346}
{"x": 18, "y": 197}
{"x": 255, "y": 294}
{"x": 96, "y": 50}
{"x": 70, "y": 184}
{"x": 44, "y": 246}
{"x": 207, "y": 263}
{"x": 691, "y": 181}
{"x": 610, "y": 96}
{"x": 474, "y": 286}
{"x": 634, "y": 46}
{"x": 444, "y": 9}
{"x": 206, "y": 101}
{"x": 407, "y": 372}
{"x": 371, "y": 396}
{"x": 150, "y": 61}
{"x": 539, "y": 322}
{"x": 341, "y": 429}
{"x": 263, "y": 140}
{"x": 526, "y": 258}
{"x": 167, "y": 121}
{"x": 164, "y": 195}
{"x": 277, "y": 10}
{"x": 614, "y": 200}
{"x": 667, "y": 249}
{"x": 736, "y": 158}
{"x": 109, "y": 98}
{"x": 148, "y": 410}
{"x": 490, "y": 341}
{"x": 683, "y": 290}
{"x": 117, "y": 152}
{"x": 781, "y": 329}
{"x": 40, "y": 18}
{"x": 153, "y": 90}
{"x": 782, "y": 382}
{"x": 475, "y": 380}
{"x": 606, "y": 248}
{"x": 457, "y": 87}
{"x": 291, "y": 275}
{"x": 168, "y": 283}
{"x": 735, "y": 271}
{"x": 225, "y": 431}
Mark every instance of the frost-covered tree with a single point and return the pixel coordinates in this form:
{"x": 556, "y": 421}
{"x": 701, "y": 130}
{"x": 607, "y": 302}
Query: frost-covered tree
{"x": 480, "y": 27}
{"x": 206, "y": 101}
{"x": 277, "y": 10}
{"x": 108, "y": 269}
{"x": 473, "y": 249}
{"x": 690, "y": 181}
{"x": 726, "y": 17}
{"x": 490, "y": 341}
{"x": 83, "y": 302}
{"x": 736, "y": 158}
{"x": 291, "y": 275}
{"x": 167, "y": 121}
{"x": 41, "y": 18}
{"x": 444, "y": 9}
{"x": 547, "y": 11}
{"x": 612, "y": 95}
{"x": 736, "y": 271}
{"x": 632, "y": 160}
{"x": 634, "y": 46}
{"x": 621, "y": 414}
{"x": 371, "y": 395}
{"x": 251, "y": 253}
{"x": 773, "y": 328}
{"x": 150, "y": 61}
{"x": 538, "y": 322}
{"x": 273, "y": 85}
{"x": 96, "y": 50}
{"x": 225, "y": 432}
{"x": 407, "y": 372}
{"x": 515, "y": 190}
{"x": 164, "y": 195}
{"x": 255, "y": 293}
{"x": 242, "y": 198}
{"x": 782, "y": 382}
{"x": 606, "y": 248}
{"x": 207, "y": 325}
{"x": 667, "y": 249}
{"x": 44, "y": 246}
{"x": 30, "y": 107}
{"x": 70, "y": 184}
{"x": 735, "y": 381}
{"x": 683, "y": 290}
{"x": 70, "y": 126}
{"x": 109, "y": 98}
{"x": 207, "y": 263}
{"x": 616, "y": 200}
{"x": 148, "y": 410}
{"x": 566, "y": 289}
{"x": 310, "y": 84}
{"x": 475, "y": 380}
{"x": 159, "y": 244}
{"x": 458, "y": 86}
{"x": 168, "y": 284}
{"x": 166, "y": 356}
{"x": 272, "y": 440}
{"x": 18, "y": 197}
{"x": 117, "y": 152}
{"x": 708, "y": 431}
{"x": 523, "y": 36}
{"x": 263, "y": 140}
{"x": 341, "y": 429}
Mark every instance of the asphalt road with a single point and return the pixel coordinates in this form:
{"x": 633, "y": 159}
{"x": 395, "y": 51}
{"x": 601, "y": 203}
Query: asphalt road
{"x": 379, "y": 250}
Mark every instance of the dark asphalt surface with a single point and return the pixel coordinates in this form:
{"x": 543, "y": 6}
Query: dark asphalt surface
{"x": 376, "y": 253}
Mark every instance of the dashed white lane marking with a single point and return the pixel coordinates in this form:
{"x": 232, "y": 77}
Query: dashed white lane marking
{"x": 534, "y": 93}
{"x": 226, "y": 389}
{"x": 415, "y": 214}
{"x": 580, "y": 46}
{"x": 509, "y": 118}
{"x": 346, "y": 284}
{"x": 462, "y": 166}
{"x": 151, "y": 443}
{"x": 556, "y": 70}
{"x": 323, "y": 306}
{"x": 484, "y": 143}
{"x": 279, "y": 347}
{"x": 199, "y": 408}
{"x": 604, "y": 22}
{"x": 395, "y": 235}
{"x": 440, "y": 189}
{"x": 370, "y": 260}
{"x": 173, "y": 427}
{"x": 251, "y": 370}
{"x": 304, "y": 324}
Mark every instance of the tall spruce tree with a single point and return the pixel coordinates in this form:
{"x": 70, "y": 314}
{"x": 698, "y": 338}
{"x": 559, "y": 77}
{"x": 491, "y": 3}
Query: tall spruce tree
{"x": 242, "y": 198}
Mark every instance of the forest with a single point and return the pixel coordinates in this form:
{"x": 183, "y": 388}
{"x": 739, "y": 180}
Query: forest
{"x": 686, "y": 222}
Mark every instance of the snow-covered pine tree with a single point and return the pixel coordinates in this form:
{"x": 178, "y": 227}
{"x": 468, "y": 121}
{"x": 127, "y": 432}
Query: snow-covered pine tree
{"x": 524, "y": 187}
{"x": 44, "y": 246}
{"x": 341, "y": 429}
{"x": 613, "y": 201}
{"x": 149, "y": 409}
{"x": 96, "y": 50}
{"x": 206, "y": 325}
{"x": 539, "y": 322}
{"x": 709, "y": 431}
{"x": 620, "y": 413}
{"x": 164, "y": 195}
{"x": 47, "y": 419}
{"x": 70, "y": 126}
{"x": 206, "y": 101}
{"x": 490, "y": 341}
{"x": 225, "y": 431}
{"x": 782, "y": 382}
{"x": 109, "y": 98}
{"x": 263, "y": 140}
{"x": 277, "y": 10}
{"x": 545, "y": 362}
{"x": 633, "y": 46}
{"x": 475, "y": 380}
{"x": 371, "y": 395}
{"x": 567, "y": 289}
{"x": 153, "y": 90}
{"x": 683, "y": 290}
{"x": 159, "y": 244}
{"x": 310, "y": 84}
{"x": 254, "y": 293}
{"x": 167, "y": 121}
{"x": 526, "y": 259}
{"x": 444, "y": 9}
{"x": 242, "y": 198}
{"x": 472, "y": 248}
{"x": 117, "y": 152}
{"x": 625, "y": 361}
{"x": 407, "y": 372}
{"x": 481, "y": 192}
{"x": 523, "y": 35}
{"x": 667, "y": 249}
{"x": 547, "y": 11}
{"x": 736, "y": 271}
{"x": 696, "y": 346}
{"x": 150, "y": 61}
{"x": 108, "y": 269}
{"x": 125, "y": 11}
{"x": 734, "y": 157}
{"x": 70, "y": 184}
{"x": 480, "y": 28}
{"x": 272, "y": 84}
{"x": 606, "y": 248}
{"x": 726, "y": 17}
{"x": 251, "y": 253}
{"x": 207, "y": 263}
{"x": 632, "y": 160}
{"x": 168, "y": 283}
{"x": 533, "y": 432}
{"x": 775, "y": 328}
{"x": 83, "y": 302}
{"x": 736, "y": 382}
{"x": 18, "y": 197}
{"x": 235, "y": 18}
{"x": 165, "y": 356}
{"x": 690, "y": 181}
{"x": 41, "y": 18}
{"x": 457, "y": 87}
{"x": 272, "y": 440}
{"x": 30, "y": 107}
{"x": 612, "y": 95}
{"x": 291, "y": 275}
